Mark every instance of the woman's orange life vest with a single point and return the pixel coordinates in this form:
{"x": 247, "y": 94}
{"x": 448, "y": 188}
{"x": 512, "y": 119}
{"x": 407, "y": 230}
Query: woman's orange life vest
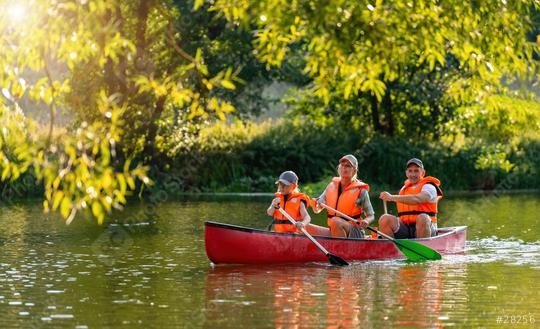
{"x": 345, "y": 201}
{"x": 291, "y": 204}
{"x": 408, "y": 213}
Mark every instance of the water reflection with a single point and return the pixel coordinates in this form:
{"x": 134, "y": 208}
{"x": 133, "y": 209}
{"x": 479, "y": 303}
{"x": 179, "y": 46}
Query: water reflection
{"x": 419, "y": 293}
{"x": 372, "y": 294}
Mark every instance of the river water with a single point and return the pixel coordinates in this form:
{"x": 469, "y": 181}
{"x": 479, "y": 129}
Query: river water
{"x": 147, "y": 268}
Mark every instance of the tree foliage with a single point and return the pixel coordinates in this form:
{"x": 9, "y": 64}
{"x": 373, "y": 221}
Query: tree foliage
{"x": 391, "y": 61}
{"x": 119, "y": 66}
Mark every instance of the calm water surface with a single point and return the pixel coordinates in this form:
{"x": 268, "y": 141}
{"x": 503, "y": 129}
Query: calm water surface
{"x": 152, "y": 272}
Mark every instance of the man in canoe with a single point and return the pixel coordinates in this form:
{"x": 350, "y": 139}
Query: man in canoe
{"x": 416, "y": 205}
{"x": 290, "y": 199}
{"x": 348, "y": 195}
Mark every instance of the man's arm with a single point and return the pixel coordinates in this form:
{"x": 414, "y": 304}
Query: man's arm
{"x": 411, "y": 199}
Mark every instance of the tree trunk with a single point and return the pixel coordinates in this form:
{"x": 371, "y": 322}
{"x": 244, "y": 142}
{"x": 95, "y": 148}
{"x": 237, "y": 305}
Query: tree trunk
{"x": 151, "y": 131}
{"x": 375, "y": 113}
{"x": 142, "y": 17}
{"x": 389, "y": 128}
{"x": 115, "y": 75}
{"x": 122, "y": 65}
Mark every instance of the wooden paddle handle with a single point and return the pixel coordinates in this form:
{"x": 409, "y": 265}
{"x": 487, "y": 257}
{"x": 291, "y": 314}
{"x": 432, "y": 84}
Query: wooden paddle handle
{"x": 355, "y": 221}
{"x": 385, "y": 208}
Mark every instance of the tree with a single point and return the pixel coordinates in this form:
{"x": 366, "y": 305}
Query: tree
{"x": 121, "y": 68}
{"x": 380, "y": 57}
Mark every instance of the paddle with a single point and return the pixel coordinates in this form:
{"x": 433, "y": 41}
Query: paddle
{"x": 414, "y": 251}
{"x": 334, "y": 260}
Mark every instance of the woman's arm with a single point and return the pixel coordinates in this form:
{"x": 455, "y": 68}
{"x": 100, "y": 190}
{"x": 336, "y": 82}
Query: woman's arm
{"x": 365, "y": 203}
{"x": 322, "y": 198}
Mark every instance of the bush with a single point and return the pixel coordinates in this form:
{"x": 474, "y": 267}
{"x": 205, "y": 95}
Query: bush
{"x": 247, "y": 157}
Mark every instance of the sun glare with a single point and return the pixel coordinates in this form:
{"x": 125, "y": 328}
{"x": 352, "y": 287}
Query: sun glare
{"x": 16, "y": 11}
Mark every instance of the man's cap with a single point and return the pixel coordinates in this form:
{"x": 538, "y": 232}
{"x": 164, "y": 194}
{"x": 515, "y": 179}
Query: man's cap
{"x": 287, "y": 178}
{"x": 415, "y": 161}
{"x": 351, "y": 159}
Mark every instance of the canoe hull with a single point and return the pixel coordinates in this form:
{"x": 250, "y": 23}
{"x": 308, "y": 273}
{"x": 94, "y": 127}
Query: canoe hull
{"x": 230, "y": 244}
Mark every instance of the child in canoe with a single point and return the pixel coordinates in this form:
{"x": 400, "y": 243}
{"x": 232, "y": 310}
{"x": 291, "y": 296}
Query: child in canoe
{"x": 290, "y": 199}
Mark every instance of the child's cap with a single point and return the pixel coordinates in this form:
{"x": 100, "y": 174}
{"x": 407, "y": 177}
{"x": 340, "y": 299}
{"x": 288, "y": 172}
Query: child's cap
{"x": 287, "y": 178}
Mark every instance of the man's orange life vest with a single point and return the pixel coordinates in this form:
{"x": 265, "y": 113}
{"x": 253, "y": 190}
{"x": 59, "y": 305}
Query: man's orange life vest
{"x": 291, "y": 204}
{"x": 408, "y": 213}
{"x": 345, "y": 201}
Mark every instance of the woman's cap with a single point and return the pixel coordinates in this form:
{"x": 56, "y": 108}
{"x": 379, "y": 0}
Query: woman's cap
{"x": 351, "y": 159}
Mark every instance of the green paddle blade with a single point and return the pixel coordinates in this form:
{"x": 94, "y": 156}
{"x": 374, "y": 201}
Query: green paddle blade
{"x": 416, "y": 252}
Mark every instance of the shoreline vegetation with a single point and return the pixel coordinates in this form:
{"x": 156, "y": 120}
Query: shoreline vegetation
{"x": 245, "y": 158}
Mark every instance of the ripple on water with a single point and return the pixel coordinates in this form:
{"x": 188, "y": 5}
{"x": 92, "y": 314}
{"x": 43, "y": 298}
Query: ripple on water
{"x": 61, "y": 316}
{"x": 510, "y": 251}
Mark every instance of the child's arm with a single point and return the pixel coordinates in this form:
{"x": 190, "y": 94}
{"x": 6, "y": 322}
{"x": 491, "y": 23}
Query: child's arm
{"x": 306, "y": 218}
{"x": 273, "y": 207}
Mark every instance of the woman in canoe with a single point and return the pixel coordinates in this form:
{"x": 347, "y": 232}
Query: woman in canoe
{"x": 348, "y": 195}
{"x": 290, "y": 199}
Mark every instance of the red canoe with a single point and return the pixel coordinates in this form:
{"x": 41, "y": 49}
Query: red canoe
{"x": 231, "y": 244}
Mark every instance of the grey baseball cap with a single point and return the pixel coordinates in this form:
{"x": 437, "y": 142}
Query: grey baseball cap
{"x": 351, "y": 159}
{"x": 287, "y": 178}
{"x": 415, "y": 161}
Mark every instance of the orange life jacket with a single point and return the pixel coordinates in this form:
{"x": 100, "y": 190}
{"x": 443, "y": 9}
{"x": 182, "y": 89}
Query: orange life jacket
{"x": 291, "y": 204}
{"x": 408, "y": 213}
{"x": 346, "y": 200}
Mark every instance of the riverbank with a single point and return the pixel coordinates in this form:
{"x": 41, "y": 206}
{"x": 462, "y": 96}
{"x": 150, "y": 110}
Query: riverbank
{"x": 373, "y": 193}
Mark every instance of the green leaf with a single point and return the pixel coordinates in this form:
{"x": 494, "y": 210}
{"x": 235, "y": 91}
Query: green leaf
{"x": 5, "y": 173}
{"x": 198, "y": 4}
{"x": 131, "y": 182}
{"x": 228, "y": 84}
{"x": 58, "y": 196}
{"x": 347, "y": 91}
{"x": 127, "y": 164}
{"x": 122, "y": 181}
{"x": 97, "y": 210}
{"x": 65, "y": 207}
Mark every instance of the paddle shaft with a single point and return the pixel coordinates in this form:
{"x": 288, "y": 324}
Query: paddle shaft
{"x": 433, "y": 254}
{"x": 284, "y": 213}
{"x": 356, "y": 221}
